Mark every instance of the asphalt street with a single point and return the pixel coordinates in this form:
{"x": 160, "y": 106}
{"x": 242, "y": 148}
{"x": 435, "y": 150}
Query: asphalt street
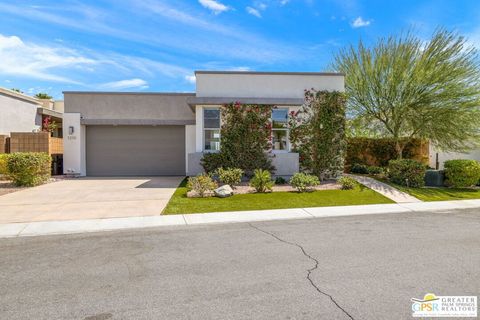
{"x": 357, "y": 267}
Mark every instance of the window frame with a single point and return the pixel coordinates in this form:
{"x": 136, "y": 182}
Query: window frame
{"x": 204, "y": 129}
{"x": 287, "y": 129}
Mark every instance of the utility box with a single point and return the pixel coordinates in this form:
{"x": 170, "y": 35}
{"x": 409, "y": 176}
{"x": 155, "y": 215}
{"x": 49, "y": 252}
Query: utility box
{"x": 435, "y": 178}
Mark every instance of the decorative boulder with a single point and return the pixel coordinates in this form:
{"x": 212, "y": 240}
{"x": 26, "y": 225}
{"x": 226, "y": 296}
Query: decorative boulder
{"x": 223, "y": 191}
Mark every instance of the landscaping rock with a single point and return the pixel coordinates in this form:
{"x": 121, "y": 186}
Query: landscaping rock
{"x": 223, "y": 191}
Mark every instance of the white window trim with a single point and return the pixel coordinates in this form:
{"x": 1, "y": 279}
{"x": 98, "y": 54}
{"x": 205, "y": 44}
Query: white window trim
{"x": 287, "y": 150}
{"x": 205, "y": 128}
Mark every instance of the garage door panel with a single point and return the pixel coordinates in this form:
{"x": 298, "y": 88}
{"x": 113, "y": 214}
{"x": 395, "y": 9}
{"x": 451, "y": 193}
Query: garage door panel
{"x": 135, "y": 150}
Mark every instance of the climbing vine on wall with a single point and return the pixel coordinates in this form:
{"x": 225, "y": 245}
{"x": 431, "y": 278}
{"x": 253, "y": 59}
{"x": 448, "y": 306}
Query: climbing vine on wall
{"x": 317, "y": 133}
{"x": 245, "y": 137}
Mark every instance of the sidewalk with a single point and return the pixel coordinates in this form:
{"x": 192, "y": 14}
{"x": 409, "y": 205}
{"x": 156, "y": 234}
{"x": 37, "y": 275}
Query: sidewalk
{"x": 96, "y": 225}
{"x": 386, "y": 190}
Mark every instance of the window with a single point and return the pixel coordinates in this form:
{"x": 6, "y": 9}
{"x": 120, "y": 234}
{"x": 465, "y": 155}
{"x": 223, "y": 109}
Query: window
{"x": 280, "y": 129}
{"x": 211, "y": 129}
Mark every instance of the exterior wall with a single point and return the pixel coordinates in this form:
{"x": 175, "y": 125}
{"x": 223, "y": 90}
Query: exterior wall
{"x": 264, "y": 85}
{"x": 35, "y": 142}
{"x": 59, "y": 106}
{"x": 74, "y": 160}
{"x": 18, "y": 115}
{"x": 190, "y": 142}
{"x": 286, "y": 164}
{"x": 141, "y": 106}
{"x": 444, "y": 156}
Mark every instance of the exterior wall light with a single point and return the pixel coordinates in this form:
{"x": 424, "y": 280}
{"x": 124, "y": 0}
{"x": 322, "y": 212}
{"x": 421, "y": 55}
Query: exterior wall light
{"x": 71, "y": 130}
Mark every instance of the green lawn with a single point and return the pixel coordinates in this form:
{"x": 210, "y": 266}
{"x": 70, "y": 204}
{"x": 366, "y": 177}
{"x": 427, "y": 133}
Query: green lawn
{"x": 441, "y": 194}
{"x": 436, "y": 194}
{"x": 180, "y": 204}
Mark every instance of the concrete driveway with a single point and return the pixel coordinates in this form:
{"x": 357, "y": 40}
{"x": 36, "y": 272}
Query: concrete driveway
{"x": 89, "y": 198}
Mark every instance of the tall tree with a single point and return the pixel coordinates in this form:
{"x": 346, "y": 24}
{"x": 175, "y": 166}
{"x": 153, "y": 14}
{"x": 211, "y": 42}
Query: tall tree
{"x": 405, "y": 87}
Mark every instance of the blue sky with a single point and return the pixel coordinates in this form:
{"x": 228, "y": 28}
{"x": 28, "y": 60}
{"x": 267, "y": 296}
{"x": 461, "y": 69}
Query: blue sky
{"x": 155, "y": 45}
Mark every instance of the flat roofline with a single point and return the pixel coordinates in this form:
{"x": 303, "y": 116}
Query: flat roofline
{"x": 130, "y": 93}
{"x": 273, "y": 73}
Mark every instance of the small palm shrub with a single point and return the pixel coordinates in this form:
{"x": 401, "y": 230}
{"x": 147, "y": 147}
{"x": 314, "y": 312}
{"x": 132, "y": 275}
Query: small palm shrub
{"x": 201, "y": 184}
{"x": 304, "y": 182}
{"x": 261, "y": 180}
{"x": 462, "y": 173}
{"x": 29, "y": 168}
{"x": 230, "y": 176}
{"x": 407, "y": 172}
{"x": 347, "y": 183}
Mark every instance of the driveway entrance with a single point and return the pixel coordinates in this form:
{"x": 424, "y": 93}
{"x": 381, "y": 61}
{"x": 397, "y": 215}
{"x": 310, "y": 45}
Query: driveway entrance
{"x": 89, "y": 198}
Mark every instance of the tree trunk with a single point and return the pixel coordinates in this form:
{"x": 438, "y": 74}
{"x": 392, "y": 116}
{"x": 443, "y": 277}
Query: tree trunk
{"x": 399, "y": 148}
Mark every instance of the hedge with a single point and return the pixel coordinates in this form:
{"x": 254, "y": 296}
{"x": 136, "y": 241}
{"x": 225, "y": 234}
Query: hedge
{"x": 378, "y": 152}
{"x": 462, "y": 173}
{"x": 407, "y": 172}
{"x": 3, "y": 164}
{"x": 29, "y": 168}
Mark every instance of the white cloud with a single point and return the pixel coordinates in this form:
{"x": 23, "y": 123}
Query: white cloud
{"x": 359, "y": 22}
{"x": 191, "y": 78}
{"x": 126, "y": 84}
{"x": 213, "y": 5}
{"x": 253, "y": 12}
{"x": 21, "y": 58}
{"x": 284, "y": 2}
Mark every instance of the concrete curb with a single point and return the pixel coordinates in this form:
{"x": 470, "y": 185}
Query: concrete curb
{"x": 97, "y": 225}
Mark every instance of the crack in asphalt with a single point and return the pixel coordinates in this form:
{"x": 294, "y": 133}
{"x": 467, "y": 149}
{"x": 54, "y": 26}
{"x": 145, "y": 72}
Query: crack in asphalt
{"x": 309, "y": 271}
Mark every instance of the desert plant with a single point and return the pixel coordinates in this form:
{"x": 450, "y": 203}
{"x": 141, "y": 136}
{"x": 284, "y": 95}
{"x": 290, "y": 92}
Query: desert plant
{"x": 347, "y": 183}
{"x": 405, "y": 87}
{"x": 230, "y": 176}
{"x": 317, "y": 133}
{"x": 304, "y": 182}
{"x": 407, "y": 172}
{"x": 201, "y": 184}
{"x": 462, "y": 173}
{"x": 3, "y": 164}
{"x": 280, "y": 180}
{"x": 375, "y": 170}
{"x": 29, "y": 168}
{"x": 261, "y": 180}
{"x": 212, "y": 161}
{"x": 359, "y": 169}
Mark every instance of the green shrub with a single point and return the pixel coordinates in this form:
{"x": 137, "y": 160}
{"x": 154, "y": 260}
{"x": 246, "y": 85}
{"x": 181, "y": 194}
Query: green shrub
{"x": 304, "y": 182}
{"x": 407, "y": 172}
{"x": 462, "y": 173}
{"x": 375, "y": 170}
{"x": 212, "y": 161}
{"x": 230, "y": 176}
{"x": 359, "y": 169}
{"x": 261, "y": 180}
{"x": 3, "y": 164}
{"x": 347, "y": 183}
{"x": 280, "y": 180}
{"x": 201, "y": 184}
{"x": 29, "y": 168}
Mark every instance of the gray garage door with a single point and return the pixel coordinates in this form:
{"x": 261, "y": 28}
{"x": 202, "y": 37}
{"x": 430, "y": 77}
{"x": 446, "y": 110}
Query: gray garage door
{"x": 135, "y": 150}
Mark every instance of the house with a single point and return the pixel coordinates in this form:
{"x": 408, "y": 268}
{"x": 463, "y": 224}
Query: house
{"x": 22, "y": 113}
{"x": 438, "y": 157}
{"x": 141, "y": 134}
{"x": 21, "y": 121}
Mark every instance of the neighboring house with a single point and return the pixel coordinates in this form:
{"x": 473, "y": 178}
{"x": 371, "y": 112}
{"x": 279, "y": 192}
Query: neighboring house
{"x": 438, "y": 157}
{"x": 128, "y": 134}
{"x": 22, "y": 113}
{"x": 21, "y": 120}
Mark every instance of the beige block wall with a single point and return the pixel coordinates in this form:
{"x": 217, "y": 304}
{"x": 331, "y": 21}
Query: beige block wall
{"x": 35, "y": 142}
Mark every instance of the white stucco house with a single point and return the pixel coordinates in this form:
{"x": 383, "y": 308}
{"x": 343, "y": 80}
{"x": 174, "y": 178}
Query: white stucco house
{"x": 140, "y": 134}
